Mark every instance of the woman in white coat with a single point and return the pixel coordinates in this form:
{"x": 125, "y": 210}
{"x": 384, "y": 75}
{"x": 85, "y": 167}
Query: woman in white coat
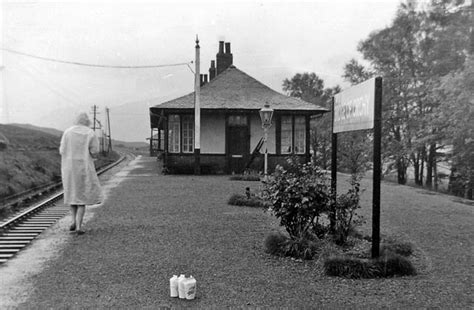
{"x": 80, "y": 182}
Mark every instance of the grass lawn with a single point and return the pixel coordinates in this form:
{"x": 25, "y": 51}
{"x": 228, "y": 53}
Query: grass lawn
{"x": 153, "y": 226}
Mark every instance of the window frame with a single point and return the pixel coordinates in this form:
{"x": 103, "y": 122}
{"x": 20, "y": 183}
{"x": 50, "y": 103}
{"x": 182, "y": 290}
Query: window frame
{"x": 190, "y": 130}
{"x": 181, "y": 134}
{"x": 302, "y": 130}
{"x": 171, "y": 133}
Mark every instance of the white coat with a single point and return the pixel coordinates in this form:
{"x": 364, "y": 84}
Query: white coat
{"x": 80, "y": 182}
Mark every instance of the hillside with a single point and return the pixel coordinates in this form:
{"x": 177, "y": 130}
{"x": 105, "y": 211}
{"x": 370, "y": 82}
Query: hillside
{"x": 51, "y": 131}
{"x": 30, "y": 159}
{"x": 58, "y": 133}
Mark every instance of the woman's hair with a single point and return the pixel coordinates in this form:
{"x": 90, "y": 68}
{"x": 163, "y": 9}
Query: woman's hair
{"x": 82, "y": 119}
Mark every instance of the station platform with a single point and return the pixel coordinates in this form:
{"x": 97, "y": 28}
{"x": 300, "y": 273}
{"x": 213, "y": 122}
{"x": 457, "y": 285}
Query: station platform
{"x": 153, "y": 226}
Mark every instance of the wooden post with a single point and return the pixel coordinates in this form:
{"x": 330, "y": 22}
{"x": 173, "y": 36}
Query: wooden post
{"x": 108, "y": 127}
{"x": 333, "y": 171}
{"x": 197, "y": 113}
{"x": 377, "y": 168}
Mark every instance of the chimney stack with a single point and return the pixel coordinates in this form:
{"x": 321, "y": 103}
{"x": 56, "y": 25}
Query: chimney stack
{"x": 224, "y": 61}
{"x": 203, "y": 79}
{"x": 212, "y": 70}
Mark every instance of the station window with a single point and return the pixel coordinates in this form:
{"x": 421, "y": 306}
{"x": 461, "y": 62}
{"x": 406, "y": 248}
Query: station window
{"x": 237, "y": 120}
{"x": 293, "y": 134}
{"x": 181, "y": 133}
{"x": 300, "y": 135}
{"x": 286, "y": 135}
{"x": 188, "y": 133}
{"x": 174, "y": 133}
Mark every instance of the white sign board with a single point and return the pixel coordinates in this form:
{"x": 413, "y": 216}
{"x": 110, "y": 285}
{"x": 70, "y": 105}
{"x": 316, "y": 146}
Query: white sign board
{"x": 354, "y": 107}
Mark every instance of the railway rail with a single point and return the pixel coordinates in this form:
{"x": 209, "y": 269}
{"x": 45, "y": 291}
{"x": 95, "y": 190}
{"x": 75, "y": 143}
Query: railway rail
{"x": 20, "y": 230}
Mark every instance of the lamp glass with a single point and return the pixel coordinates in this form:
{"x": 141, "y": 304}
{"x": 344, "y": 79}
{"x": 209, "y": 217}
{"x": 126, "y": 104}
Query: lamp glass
{"x": 266, "y": 114}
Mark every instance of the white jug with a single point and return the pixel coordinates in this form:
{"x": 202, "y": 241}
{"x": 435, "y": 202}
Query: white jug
{"x": 174, "y": 286}
{"x": 190, "y": 288}
{"x": 181, "y": 281}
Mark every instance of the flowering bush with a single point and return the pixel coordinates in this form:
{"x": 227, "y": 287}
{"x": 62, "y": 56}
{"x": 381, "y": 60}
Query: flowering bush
{"x": 299, "y": 195}
{"x": 301, "y": 198}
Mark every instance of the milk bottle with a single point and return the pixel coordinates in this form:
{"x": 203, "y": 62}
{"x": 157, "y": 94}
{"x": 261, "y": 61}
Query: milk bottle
{"x": 174, "y": 286}
{"x": 181, "y": 281}
{"x": 190, "y": 288}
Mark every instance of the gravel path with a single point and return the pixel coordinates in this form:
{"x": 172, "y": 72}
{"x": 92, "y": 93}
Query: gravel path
{"x": 153, "y": 226}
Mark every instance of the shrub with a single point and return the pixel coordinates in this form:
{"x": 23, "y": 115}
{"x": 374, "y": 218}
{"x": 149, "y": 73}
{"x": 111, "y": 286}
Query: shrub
{"x": 303, "y": 248}
{"x": 345, "y": 209}
{"x": 241, "y": 200}
{"x": 298, "y": 196}
{"x": 400, "y": 248}
{"x": 280, "y": 245}
{"x": 302, "y": 199}
{"x": 275, "y": 244}
{"x": 350, "y": 267}
{"x": 388, "y": 265}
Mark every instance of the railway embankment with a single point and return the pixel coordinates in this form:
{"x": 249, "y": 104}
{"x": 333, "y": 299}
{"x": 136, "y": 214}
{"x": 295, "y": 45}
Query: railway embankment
{"x": 152, "y": 226}
{"x": 30, "y": 159}
{"x": 30, "y": 164}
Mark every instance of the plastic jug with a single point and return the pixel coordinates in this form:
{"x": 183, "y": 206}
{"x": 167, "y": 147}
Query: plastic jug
{"x": 190, "y": 288}
{"x": 174, "y": 286}
{"x": 181, "y": 281}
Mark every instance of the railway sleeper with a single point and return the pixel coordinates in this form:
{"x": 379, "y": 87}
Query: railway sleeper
{"x": 17, "y": 238}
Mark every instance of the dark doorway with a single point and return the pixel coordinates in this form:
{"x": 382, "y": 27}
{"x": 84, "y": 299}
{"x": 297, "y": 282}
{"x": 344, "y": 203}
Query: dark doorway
{"x": 238, "y": 143}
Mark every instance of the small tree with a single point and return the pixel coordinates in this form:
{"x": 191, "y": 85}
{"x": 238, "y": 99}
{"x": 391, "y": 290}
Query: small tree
{"x": 299, "y": 195}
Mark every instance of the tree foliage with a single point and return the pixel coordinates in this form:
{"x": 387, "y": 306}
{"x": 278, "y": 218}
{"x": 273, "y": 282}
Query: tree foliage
{"x": 310, "y": 87}
{"x": 414, "y": 55}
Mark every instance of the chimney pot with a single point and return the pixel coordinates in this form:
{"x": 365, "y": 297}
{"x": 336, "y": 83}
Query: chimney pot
{"x": 221, "y": 47}
{"x": 227, "y": 48}
{"x": 213, "y": 64}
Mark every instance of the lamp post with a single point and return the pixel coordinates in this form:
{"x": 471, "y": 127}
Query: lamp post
{"x": 266, "y": 114}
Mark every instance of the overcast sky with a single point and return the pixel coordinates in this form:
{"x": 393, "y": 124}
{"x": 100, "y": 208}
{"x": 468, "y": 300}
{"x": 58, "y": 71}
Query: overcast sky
{"x": 270, "y": 40}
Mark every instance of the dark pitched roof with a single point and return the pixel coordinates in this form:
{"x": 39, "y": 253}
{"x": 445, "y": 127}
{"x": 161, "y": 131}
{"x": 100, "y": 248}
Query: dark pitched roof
{"x": 234, "y": 89}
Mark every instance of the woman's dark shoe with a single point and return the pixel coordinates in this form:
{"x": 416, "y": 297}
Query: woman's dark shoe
{"x": 80, "y": 232}
{"x": 72, "y": 227}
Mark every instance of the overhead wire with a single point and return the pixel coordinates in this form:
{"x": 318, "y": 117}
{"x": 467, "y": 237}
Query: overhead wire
{"x": 94, "y": 65}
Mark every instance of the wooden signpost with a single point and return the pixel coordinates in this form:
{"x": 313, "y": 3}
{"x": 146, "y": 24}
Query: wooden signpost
{"x": 358, "y": 108}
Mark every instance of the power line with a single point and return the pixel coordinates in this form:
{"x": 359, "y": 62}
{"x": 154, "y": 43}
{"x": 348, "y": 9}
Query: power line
{"x": 93, "y": 65}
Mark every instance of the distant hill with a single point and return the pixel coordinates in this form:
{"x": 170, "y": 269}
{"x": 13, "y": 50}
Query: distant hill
{"x": 133, "y": 145}
{"x": 27, "y": 137}
{"x": 51, "y": 131}
{"x": 58, "y": 133}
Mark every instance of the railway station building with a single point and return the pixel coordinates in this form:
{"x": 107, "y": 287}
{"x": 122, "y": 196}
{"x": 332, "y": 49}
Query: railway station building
{"x": 231, "y": 128}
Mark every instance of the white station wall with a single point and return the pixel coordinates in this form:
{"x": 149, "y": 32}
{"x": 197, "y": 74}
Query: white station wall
{"x": 213, "y": 134}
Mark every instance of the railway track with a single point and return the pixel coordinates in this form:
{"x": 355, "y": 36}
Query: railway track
{"x": 19, "y": 231}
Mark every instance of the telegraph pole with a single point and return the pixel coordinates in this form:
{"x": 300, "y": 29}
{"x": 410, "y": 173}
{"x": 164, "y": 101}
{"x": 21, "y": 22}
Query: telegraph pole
{"x": 94, "y": 112}
{"x": 108, "y": 128}
{"x": 197, "y": 113}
